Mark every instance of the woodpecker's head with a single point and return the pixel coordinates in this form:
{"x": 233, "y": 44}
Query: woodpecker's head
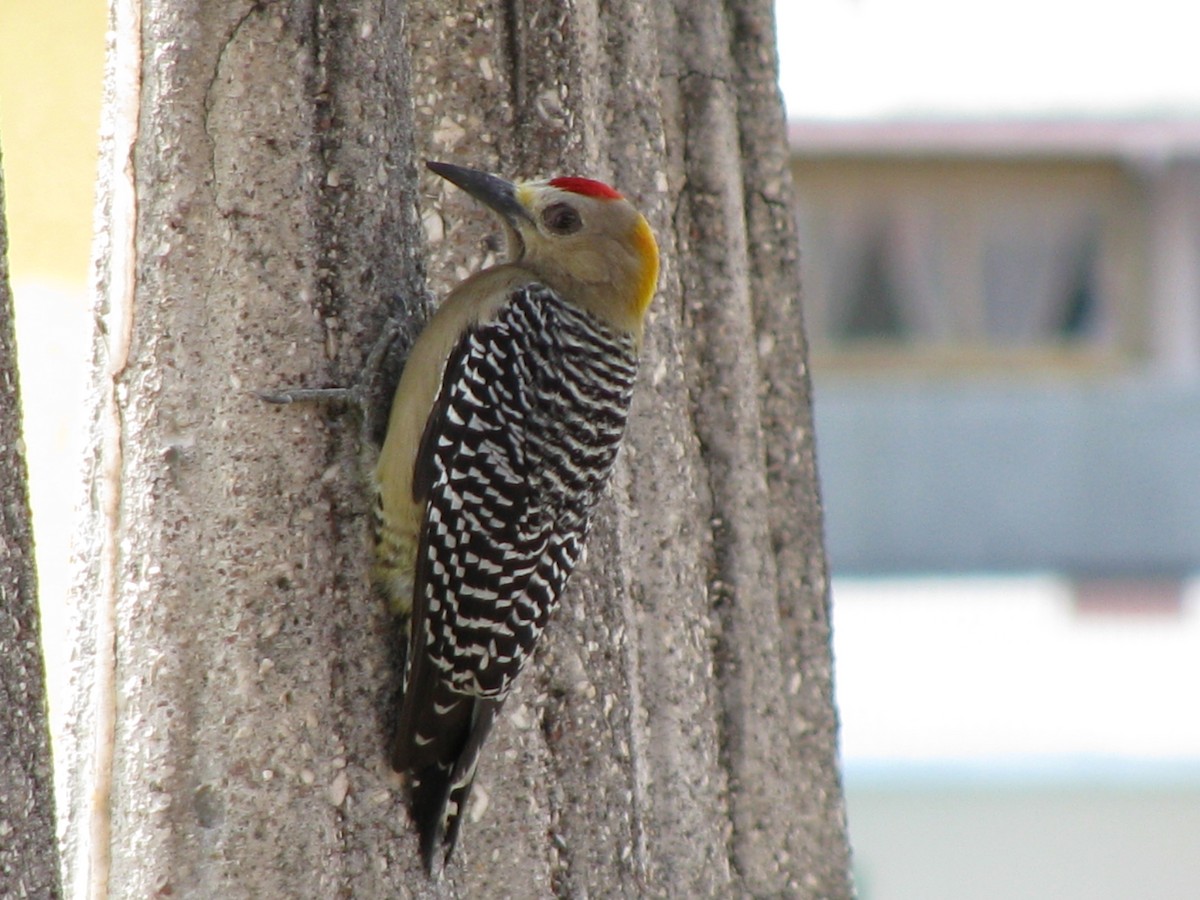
{"x": 577, "y": 236}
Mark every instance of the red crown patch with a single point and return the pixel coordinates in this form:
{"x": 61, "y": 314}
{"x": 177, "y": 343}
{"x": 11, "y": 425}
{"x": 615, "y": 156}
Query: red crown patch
{"x": 585, "y": 186}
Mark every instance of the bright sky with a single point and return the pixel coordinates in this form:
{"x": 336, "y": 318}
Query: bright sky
{"x": 857, "y": 58}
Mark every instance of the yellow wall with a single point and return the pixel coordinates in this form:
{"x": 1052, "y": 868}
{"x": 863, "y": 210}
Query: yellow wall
{"x": 51, "y": 70}
{"x": 51, "y": 74}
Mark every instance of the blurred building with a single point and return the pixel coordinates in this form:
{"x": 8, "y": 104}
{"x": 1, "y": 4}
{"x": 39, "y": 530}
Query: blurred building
{"x": 1004, "y": 322}
{"x": 1005, "y": 325}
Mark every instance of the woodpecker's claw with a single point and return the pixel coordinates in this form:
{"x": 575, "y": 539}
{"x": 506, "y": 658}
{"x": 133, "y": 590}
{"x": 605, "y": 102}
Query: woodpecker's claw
{"x": 371, "y": 395}
{"x": 311, "y": 395}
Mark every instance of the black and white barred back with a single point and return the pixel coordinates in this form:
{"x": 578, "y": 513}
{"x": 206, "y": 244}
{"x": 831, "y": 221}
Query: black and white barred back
{"x": 534, "y": 411}
{"x": 518, "y": 449}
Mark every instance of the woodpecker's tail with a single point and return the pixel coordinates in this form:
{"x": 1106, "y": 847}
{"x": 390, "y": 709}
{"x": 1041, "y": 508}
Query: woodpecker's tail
{"x": 437, "y": 742}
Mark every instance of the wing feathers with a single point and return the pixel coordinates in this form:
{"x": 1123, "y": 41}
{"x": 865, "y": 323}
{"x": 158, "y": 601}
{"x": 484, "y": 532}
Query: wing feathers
{"x": 521, "y": 441}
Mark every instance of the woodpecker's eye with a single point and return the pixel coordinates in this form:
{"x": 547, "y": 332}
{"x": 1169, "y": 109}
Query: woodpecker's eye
{"x": 561, "y": 218}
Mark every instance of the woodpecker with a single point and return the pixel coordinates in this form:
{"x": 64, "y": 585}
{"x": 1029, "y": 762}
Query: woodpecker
{"x": 502, "y": 435}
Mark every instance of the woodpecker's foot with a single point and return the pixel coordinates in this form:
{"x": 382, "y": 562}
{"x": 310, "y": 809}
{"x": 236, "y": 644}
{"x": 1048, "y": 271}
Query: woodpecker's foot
{"x": 373, "y": 367}
{"x": 352, "y": 395}
{"x": 370, "y": 396}
{"x": 381, "y": 371}
{"x": 356, "y": 396}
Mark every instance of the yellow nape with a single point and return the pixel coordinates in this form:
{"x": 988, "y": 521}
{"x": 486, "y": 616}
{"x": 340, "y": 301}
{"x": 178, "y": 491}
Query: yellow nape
{"x": 647, "y": 250}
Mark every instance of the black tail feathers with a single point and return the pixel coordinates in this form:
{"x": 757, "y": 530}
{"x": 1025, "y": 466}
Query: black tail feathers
{"x": 437, "y": 742}
{"x": 437, "y": 804}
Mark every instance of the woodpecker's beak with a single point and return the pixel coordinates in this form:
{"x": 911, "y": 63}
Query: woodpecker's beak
{"x": 495, "y": 193}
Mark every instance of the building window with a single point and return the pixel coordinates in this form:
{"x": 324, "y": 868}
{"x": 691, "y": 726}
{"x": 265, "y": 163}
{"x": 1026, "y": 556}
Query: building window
{"x": 869, "y": 305}
{"x": 943, "y": 262}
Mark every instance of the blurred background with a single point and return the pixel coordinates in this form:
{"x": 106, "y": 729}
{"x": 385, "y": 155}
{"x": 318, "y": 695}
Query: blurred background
{"x": 1000, "y": 219}
{"x": 51, "y": 74}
